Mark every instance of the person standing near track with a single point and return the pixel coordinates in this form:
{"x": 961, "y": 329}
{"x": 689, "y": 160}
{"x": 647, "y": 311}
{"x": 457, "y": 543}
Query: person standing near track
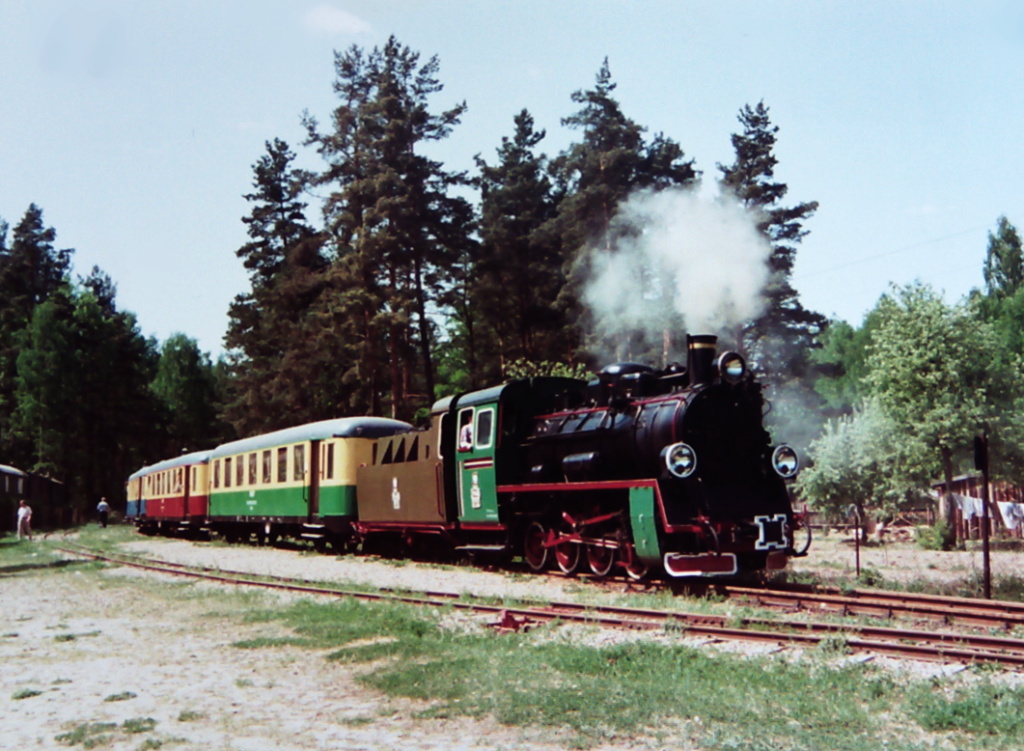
{"x": 24, "y": 520}
{"x": 104, "y": 510}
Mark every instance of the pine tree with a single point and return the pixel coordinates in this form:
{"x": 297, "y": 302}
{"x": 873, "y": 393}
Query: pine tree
{"x": 394, "y": 226}
{"x": 186, "y": 384}
{"x": 1004, "y": 261}
{"x": 287, "y": 275}
{"x": 777, "y": 342}
{"x": 519, "y": 270}
{"x": 82, "y": 391}
{"x": 31, "y": 271}
{"x": 611, "y": 161}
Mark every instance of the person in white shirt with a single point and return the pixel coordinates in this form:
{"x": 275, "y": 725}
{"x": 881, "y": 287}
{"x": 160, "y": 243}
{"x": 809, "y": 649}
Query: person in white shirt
{"x": 104, "y": 510}
{"x": 24, "y": 520}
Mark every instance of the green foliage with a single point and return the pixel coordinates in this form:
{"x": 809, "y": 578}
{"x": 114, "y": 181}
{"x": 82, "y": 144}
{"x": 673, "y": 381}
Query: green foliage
{"x": 841, "y": 363}
{"x": 186, "y": 383}
{"x": 399, "y": 236}
{"x": 934, "y": 537}
{"x": 940, "y": 374}
{"x": 595, "y": 175}
{"x": 1004, "y": 261}
{"x": 531, "y": 369}
{"x": 277, "y": 356}
{"x": 780, "y": 341}
{"x": 137, "y": 725}
{"x": 519, "y": 269}
{"x": 26, "y": 693}
{"x": 82, "y": 391}
{"x": 31, "y": 271}
{"x": 857, "y": 461}
{"x": 122, "y": 696}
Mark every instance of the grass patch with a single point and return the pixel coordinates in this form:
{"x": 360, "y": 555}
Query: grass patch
{"x": 189, "y": 715}
{"x": 138, "y": 725}
{"x": 26, "y": 693}
{"x": 89, "y": 735}
{"x": 123, "y": 696}
{"x": 600, "y": 694}
{"x": 982, "y": 709}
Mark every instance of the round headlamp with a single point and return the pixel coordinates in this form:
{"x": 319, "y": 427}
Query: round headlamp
{"x": 680, "y": 459}
{"x": 731, "y": 367}
{"x": 785, "y": 461}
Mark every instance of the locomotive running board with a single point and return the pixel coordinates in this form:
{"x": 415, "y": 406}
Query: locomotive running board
{"x": 705, "y": 564}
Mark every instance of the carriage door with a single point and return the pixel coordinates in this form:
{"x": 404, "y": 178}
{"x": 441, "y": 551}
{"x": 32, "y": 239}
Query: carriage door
{"x": 475, "y": 447}
{"x": 187, "y": 492}
{"x": 313, "y": 496}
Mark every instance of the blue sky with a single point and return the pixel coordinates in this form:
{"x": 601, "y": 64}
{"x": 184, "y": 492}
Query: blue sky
{"x": 134, "y": 125}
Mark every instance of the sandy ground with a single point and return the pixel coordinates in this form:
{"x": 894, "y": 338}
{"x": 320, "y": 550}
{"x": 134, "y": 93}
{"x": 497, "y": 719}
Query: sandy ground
{"x": 99, "y": 647}
{"x": 98, "y": 651}
{"x": 900, "y": 560}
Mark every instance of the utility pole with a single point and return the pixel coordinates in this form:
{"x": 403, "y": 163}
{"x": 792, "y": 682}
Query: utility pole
{"x": 981, "y": 463}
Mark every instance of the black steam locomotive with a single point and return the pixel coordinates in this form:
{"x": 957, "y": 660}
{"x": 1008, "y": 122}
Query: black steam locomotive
{"x": 638, "y": 469}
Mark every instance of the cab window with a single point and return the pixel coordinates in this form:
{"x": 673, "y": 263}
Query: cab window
{"x": 484, "y": 428}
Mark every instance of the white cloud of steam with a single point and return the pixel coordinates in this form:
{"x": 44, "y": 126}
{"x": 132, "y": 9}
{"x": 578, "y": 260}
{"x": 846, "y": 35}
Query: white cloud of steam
{"x": 326, "y": 19}
{"x": 687, "y": 253}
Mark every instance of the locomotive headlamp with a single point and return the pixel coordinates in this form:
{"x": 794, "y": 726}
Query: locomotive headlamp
{"x": 785, "y": 461}
{"x": 680, "y": 459}
{"x": 732, "y": 367}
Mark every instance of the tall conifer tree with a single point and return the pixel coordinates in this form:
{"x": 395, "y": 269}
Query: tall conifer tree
{"x": 266, "y": 341}
{"x": 519, "y": 272}
{"x": 31, "y": 271}
{"x": 395, "y": 228}
{"x": 611, "y": 161}
{"x": 778, "y": 341}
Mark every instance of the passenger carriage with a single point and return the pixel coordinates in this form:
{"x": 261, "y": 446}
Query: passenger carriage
{"x": 172, "y": 496}
{"x": 296, "y": 482}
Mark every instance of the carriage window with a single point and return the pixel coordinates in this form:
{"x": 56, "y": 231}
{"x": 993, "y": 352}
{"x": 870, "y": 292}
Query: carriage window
{"x": 239, "y": 470}
{"x": 466, "y": 429}
{"x": 216, "y": 474}
{"x": 330, "y": 461}
{"x": 195, "y": 478}
{"x": 227, "y": 472}
{"x": 484, "y": 428}
{"x": 299, "y": 462}
{"x": 266, "y": 467}
{"x": 252, "y": 468}
{"x": 282, "y": 465}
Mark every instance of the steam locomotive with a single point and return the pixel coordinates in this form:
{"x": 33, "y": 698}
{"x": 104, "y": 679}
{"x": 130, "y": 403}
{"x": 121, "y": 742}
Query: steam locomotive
{"x": 638, "y": 470}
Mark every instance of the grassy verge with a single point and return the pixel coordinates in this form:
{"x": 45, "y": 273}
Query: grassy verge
{"x": 668, "y": 692}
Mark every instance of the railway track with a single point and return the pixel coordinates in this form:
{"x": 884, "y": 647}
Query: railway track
{"x": 937, "y": 609}
{"x": 941, "y": 646}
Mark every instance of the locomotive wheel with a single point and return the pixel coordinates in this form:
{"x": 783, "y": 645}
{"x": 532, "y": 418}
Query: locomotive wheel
{"x": 567, "y": 557}
{"x": 534, "y": 552}
{"x": 600, "y": 559}
{"x": 636, "y": 569}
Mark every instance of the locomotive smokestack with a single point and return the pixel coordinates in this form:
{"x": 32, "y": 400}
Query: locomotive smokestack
{"x": 700, "y": 358}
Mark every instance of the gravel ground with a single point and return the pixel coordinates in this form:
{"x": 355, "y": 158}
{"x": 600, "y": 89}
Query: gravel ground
{"x": 101, "y": 652}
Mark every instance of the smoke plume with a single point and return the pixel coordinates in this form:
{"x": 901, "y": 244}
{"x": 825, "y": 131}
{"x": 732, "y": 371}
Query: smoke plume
{"x": 674, "y": 260}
